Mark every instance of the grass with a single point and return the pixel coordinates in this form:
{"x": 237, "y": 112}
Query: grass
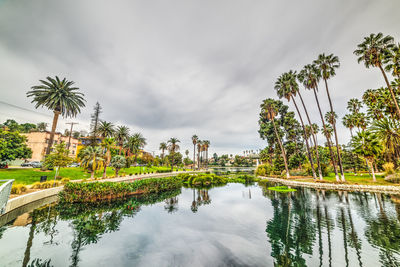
{"x": 282, "y": 189}
{"x": 362, "y": 178}
{"x": 31, "y": 175}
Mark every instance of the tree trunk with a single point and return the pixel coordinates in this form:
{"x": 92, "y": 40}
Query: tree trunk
{"x": 391, "y": 91}
{"x": 335, "y": 132}
{"x": 194, "y": 157}
{"x": 372, "y": 170}
{"x": 327, "y": 138}
{"x": 313, "y": 136}
{"x": 172, "y": 162}
{"x": 352, "y": 155}
{"x": 53, "y": 131}
{"x": 105, "y": 171}
{"x": 282, "y": 149}
{"x": 92, "y": 174}
{"x": 306, "y": 139}
{"x": 116, "y": 172}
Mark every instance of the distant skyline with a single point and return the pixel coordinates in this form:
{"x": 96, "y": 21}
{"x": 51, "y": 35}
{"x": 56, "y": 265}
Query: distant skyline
{"x": 178, "y": 68}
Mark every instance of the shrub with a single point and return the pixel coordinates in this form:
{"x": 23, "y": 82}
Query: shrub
{"x": 389, "y": 168}
{"x": 308, "y": 170}
{"x": 393, "y": 178}
{"x": 18, "y": 189}
{"x": 263, "y": 170}
{"x": 65, "y": 180}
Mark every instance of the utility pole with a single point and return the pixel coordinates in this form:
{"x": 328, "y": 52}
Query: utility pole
{"x": 70, "y": 133}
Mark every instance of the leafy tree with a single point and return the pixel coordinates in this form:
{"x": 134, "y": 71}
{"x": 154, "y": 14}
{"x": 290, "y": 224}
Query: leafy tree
{"x": 13, "y": 146}
{"x": 41, "y": 126}
{"x": 58, "y": 158}
{"x": 118, "y": 162}
{"x": 59, "y": 96}
{"x": 107, "y": 144}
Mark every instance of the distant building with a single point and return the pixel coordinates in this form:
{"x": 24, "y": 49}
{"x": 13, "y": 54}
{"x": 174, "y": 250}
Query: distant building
{"x": 39, "y": 141}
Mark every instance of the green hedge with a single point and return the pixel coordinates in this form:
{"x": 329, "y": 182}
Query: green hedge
{"x": 93, "y": 192}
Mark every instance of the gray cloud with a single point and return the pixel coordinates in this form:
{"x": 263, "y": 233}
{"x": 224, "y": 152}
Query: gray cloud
{"x": 184, "y": 67}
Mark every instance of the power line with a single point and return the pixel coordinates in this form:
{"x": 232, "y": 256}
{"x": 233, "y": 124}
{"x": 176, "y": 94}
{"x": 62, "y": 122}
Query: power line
{"x": 25, "y": 109}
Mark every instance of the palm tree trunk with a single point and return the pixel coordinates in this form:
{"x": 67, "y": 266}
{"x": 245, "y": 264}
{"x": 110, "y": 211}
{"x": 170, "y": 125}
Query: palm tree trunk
{"x": 27, "y": 253}
{"x": 352, "y": 155}
{"x": 92, "y": 175}
{"x": 207, "y": 158}
{"x": 327, "y": 138}
{"x": 391, "y": 91}
{"x": 172, "y": 161}
{"x": 335, "y": 132}
{"x": 105, "y": 171}
{"x": 282, "y": 149}
{"x": 313, "y": 136}
{"x": 194, "y": 156}
{"x": 53, "y": 131}
{"x": 372, "y": 170}
{"x": 306, "y": 139}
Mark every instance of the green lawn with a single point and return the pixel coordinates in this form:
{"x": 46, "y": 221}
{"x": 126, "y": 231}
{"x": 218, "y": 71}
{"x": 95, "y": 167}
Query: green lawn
{"x": 32, "y": 175}
{"x": 363, "y": 178}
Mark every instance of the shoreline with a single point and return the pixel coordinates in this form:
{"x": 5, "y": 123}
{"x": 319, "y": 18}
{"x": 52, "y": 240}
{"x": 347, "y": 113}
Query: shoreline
{"x": 388, "y": 189}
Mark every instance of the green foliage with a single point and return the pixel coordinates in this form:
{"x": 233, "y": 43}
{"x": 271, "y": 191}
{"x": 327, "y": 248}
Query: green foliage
{"x": 59, "y": 157}
{"x": 118, "y": 162}
{"x": 282, "y": 189}
{"x": 18, "y": 189}
{"x": 13, "y": 146}
{"x": 93, "y": 192}
{"x": 308, "y": 170}
{"x": 389, "y": 168}
{"x": 264, "y": 170}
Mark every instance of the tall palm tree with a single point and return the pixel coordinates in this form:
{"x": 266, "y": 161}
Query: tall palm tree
{"x": 195, "y": 139}
{"x": 374, "y": 51}
{"x": 59, "y": 96}
{"x": 327, "y": 65}
{"x": 107, "y": 143}
{"x": 92, "y": 159}
{"x": 354, "y": 105}
{"x": 388, "y": 131}
{"x": 199, "y": 146}
{"x": 106, "y": 129}
{"x": 287, "y": 87}
{"x": 173, "y": 146}
{"x": 121, "y": 135}
{"x": 163, "y": 147}
{"x": 206, "y": 146}
{"x": 367, "y": 145}
{"x": 270, "y": 110}
{"x": 349, "y": 122}
{"x": 310, "y": 76}
{"x": 392, "y": 61}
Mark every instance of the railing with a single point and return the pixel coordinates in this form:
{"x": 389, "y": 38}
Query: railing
{"x": 5, "y": 190}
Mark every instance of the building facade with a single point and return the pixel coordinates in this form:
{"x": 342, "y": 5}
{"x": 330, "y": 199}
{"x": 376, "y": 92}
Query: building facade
{"x": 39, "y": 141}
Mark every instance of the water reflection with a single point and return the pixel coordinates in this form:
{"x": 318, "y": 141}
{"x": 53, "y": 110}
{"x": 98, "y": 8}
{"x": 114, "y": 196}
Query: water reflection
{"x": 225, "y": 226}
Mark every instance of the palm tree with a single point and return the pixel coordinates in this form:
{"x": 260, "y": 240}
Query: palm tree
{"x": 374, "y": 51}
{"x": 327, "y": 66}
{"x": 121, "y": 135}
{"x": 310, "y": 76}
{"x": 287, "y": 87}
{"x": 270, "y": 111}
{"x": 367, "y": 145}
{"x": 106, "y": 129}
{"x": 199, "y": 146}
{"x": 92, "y": 159}
{"x": 388, "y": 131}
{"x": 135, "y": 143}
{"x": 163, "y": 147}
{"x": 354, "y": 105}
{"x": 118, "y": 162}
{"x": 59, "y": 96}
{"x": 107, "y": 144}
{"x": 349, "y": 122}
{"x": 392, "y": 60}
{"x": 195, "y": 138}
{"x": 173, "y": 147}
{"x": 206, "y": 146}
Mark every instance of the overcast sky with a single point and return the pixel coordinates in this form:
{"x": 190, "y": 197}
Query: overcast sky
{"x": 178, "y": 68}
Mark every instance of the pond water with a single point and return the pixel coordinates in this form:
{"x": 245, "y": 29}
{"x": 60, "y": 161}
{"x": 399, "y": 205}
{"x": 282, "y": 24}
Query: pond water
{"x": 232, "y": 225}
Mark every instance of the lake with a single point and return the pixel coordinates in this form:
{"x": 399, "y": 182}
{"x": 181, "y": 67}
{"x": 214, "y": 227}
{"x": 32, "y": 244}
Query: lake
{"x": 234, "y": 225}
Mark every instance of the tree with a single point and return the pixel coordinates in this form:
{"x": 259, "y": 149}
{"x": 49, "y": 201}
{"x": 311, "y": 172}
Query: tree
{"x": 206, "y": 144}
{"x": 135, "y": 143}
{"x": 163, "y": 147}
{"x": 13, "y": 146}
{"x": 388, "y": 131}
{"x": 58, "y": 158}
{"x": 41, "y": 126}
{"x": 199, "y": 146}
{"x": 287, "y": 87}
{"x": 195, "y": 138}
{"x": 94, "y": 124}
{"x": 173, "y": 147}
{"x": 59, "y": 96}
{"x": 374, "y": 51}
{"x": 106, "y": 129}
{"x": 121, "y": 135}
{"x": 392, "y": 60}
{"x": 310, "y": 76}
{"x": 269, "y": 111}
{"x": 107, "y": 144}
{"x": 187, "y": 153}
{"x": 118, "y": 162}
{"x": 327, "y": 65}
{"x": 92, "y": 159}
{"x": 367, "y": 145}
